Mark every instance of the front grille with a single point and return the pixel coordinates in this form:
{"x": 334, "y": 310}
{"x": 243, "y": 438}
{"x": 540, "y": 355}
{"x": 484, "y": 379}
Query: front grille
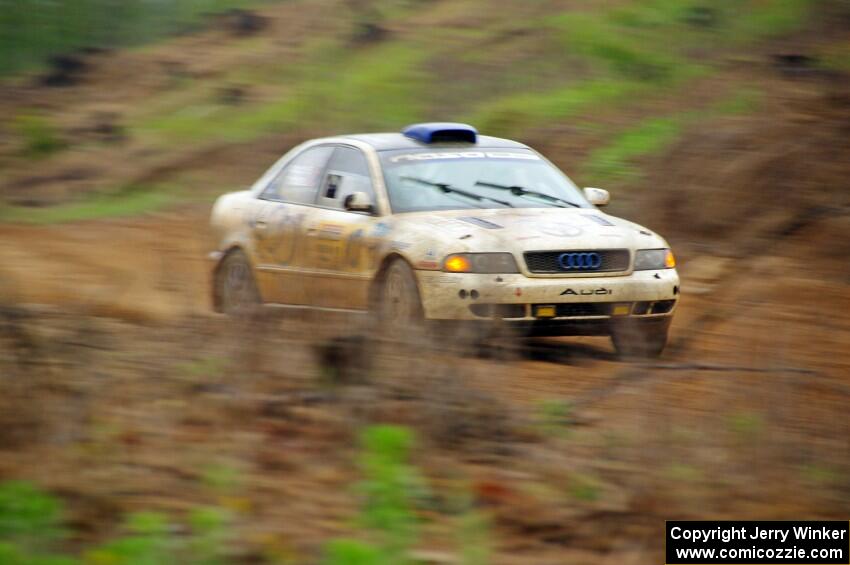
{"x": 550, "y": 262}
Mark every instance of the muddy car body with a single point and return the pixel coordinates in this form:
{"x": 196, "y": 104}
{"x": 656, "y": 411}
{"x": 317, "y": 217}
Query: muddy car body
{"x": 439, "y": 223}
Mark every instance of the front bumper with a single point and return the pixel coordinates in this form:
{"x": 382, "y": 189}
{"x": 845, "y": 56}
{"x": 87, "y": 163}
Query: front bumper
{"x": 525, "y": 300}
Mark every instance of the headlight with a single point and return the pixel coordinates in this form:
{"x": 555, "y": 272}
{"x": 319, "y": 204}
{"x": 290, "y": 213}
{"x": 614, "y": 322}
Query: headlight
{"x": 650, "y": 259}
{"x": 480, "y": 263}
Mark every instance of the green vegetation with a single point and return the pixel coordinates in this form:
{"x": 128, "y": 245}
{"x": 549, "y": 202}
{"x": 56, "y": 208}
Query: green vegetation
{"x": 377, "y": 87}
{"x": 742, "y": 101}
{"x": 391, "y": 491}
{"x": 32, "y": 30}
{"x": 130, "y": 201}
{"x": 835, "y": 57}
{"x": 507, "y": 115}
{"x": 636, "y": 50}
{"x": 614, "y": 162}
{"x": 584, "y": 488}
{"x": 746, "y": 426}
{"x": 30, "y": 521}
{"x": 388, "y": 503}
{"x": 206, "y": 368}
{"x": 39, "y": 137}
{"x": 222, "y": 478}
{"x": 617, "y": 161}
{"x": 554, "y": 416}
{"x": 605, "y": 42}
{"x": 32, "y": 533}
{"x": 768, "y": 19}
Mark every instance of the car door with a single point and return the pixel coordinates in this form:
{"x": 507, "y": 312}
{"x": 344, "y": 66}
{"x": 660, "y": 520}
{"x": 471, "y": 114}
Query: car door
{"x": 280, "y": 224}
{"x": 342, "y": 244}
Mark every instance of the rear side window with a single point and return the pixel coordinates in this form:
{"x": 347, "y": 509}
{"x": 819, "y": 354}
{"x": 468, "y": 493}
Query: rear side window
{"x": 299, "y": 180}
{"x": 347, "y": 172}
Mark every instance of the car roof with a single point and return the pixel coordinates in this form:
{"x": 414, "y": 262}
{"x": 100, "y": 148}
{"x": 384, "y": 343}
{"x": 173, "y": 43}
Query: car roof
{"x": 392, "y": 141}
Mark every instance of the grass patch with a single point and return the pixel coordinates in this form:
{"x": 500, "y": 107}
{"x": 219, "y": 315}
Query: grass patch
{"x": 33, "y": 30}
{"x": 743, "y": 101}
{"x": 380, "y": 87}
{"x": 32, "y": 532}
{"x": 758, "y": 20}
{"x": 584, "y": 488}
{"x": 39, "y": 138}
{"x": 510, "y": 113}
{"x": 614, "y": 162}
{"x": 131, "y": 201}
{"x": 632, "y": 50}
{"x": 376, "y": 88}
{"x": 215, "y": 122}
{"x": 835, "y": 57}
{"x": 626, "y": 52}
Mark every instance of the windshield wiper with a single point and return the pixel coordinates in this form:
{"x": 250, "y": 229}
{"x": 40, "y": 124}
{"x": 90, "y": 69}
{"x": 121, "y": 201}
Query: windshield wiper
{"x": 447, "y": 188}
{"x": 520, "y": 191}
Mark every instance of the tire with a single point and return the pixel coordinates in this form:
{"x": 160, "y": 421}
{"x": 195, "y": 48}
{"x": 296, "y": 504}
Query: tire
{"x": 640, "y": 340}
{"x": 235, "y": 288}
{"x": 399, "y": 307}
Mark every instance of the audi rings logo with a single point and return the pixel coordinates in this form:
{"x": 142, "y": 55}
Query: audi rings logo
{"x": 580, "y": 261}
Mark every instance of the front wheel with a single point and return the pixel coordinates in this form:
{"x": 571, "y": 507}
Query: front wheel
{"x": 398, "y": 307}
{"x": 640, "y": 340}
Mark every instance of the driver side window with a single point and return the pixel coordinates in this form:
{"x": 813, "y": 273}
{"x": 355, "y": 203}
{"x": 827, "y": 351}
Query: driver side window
{"x": 299, "y": 180}
{"x": 347, "y": 173}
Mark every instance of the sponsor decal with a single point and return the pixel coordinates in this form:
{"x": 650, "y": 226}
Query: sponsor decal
{"x": 587, "y": 292}
{"x": 430, "y": 156}
{"x": 399, "y": 245}
{"x": 381, "y": 229}
{"x": 431, "y": 265}
{"x": 330, "y": 231}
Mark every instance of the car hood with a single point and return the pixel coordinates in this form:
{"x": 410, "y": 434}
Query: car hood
{"x": 519, "y": 230}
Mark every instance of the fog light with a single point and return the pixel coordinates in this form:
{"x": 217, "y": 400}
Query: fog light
{"x": 621, "y": 309}
{"x": 544, "y": 311}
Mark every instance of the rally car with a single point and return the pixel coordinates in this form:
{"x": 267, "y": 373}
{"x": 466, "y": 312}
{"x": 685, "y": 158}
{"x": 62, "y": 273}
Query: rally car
{"x": 439, "y": 223}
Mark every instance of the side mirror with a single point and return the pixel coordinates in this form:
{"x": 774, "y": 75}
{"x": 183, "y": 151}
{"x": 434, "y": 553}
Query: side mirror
{"x": 358, "y": 202}
{"x": 597, "y": 196}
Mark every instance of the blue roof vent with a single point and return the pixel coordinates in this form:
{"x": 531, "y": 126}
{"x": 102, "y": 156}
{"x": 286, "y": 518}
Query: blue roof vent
{"x": 441, "y": 131}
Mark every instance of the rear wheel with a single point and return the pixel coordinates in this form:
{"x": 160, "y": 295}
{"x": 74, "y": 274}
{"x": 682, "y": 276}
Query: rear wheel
{"x": 640, "y": 340}
{"x": 236, "y": 289}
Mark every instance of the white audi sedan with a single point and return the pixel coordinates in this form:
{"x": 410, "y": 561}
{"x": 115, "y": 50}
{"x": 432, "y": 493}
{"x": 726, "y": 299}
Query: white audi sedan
{"x": 439, "y": 223}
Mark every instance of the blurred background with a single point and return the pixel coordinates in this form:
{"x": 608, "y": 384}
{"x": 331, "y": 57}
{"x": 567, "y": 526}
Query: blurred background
{"x": 138, "y": 427}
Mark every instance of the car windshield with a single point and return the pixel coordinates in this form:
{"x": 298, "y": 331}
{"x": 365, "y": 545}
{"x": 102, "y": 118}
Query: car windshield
{"x": 422, "y": 180}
